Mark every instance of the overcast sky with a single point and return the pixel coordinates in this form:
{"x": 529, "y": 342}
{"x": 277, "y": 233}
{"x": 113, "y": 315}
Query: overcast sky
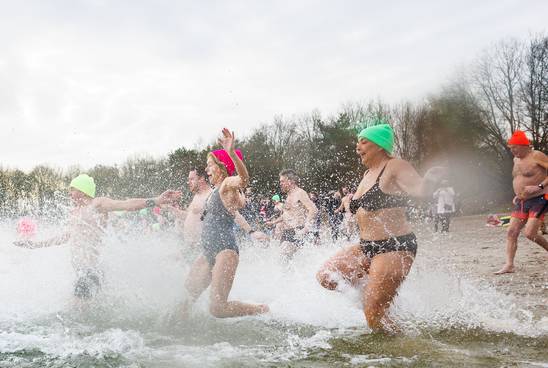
{"x": 97, "y": 81}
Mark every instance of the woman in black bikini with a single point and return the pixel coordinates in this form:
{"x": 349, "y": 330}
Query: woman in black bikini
{"x": 388, "y": 246}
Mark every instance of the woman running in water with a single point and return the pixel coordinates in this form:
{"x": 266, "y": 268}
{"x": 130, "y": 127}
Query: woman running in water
{"x": 388, "y": 246}
{"x": 219, "y": 261}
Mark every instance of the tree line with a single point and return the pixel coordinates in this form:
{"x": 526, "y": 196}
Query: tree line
{"x": 463, "y": 127}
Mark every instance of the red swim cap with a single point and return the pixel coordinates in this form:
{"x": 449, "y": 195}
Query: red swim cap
{"x": 519, "y": 139}
{"x": 225, "y": 159}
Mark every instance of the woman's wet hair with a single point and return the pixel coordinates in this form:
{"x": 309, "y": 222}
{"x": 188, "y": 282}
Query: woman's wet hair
{"x": 219, "y": 163}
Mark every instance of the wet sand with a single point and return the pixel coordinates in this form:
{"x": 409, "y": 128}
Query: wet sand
{"x": 478, "y": 251}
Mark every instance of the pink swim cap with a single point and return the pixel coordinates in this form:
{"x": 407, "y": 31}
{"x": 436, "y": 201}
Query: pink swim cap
{"x": 26, "y": 227}
{"x": 225, "y": 159}
{"x": 157, "y": 210}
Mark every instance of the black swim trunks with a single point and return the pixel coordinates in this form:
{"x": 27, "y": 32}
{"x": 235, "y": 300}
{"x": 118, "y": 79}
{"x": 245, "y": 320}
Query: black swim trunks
{"x": 290, "y": 235}
{"x": 530, "y": 208}
{"x": 88, "y": 284}
{"x": 404, "y": 243}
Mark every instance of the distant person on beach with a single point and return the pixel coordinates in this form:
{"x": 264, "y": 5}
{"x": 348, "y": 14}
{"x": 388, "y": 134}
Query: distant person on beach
{"x": 445, "y": 206}
{"x": 388, "y": 246}
{"x": 86, "y": 229}
{"x": 349, "y": 225}
{"x": 334, "y": 216}
{"x": 217, "y": 264}
{"x": 298, "y": 215}
{"x": 530, "y": 203}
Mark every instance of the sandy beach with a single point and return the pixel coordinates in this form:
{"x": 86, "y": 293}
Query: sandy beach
{"x": 477, "y": 250}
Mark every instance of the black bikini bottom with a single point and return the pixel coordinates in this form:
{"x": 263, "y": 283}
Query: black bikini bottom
{"x": 404, "y": 243}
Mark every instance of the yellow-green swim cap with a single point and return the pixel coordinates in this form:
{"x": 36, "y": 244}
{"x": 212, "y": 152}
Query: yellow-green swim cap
{"x": 85, "y": 184}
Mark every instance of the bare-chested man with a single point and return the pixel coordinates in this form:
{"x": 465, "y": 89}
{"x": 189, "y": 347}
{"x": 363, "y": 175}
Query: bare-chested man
{"x": 299, "y": 213}
{"x": 530, "y": 181}
{"x": 85, "y": 230}
{"x": 192, "y": 226}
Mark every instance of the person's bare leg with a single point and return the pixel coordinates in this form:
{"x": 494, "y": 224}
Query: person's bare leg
{"x": 223, "y": 274}
{"x": 386, "y": 273}
{"x": 511, "y": 245}
{"x": 349, "y": 263}
{"x": 197, "y": 281}
{"x": 532, "y": 233}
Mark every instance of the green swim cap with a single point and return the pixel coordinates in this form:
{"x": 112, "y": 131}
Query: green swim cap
{"x": 84, "y": 184}
{"x": 382, "y": 135}
{"x": 276, "y": 198}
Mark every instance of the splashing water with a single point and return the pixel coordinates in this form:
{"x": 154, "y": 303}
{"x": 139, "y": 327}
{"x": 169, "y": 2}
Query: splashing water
{"x": 446, "y": 317}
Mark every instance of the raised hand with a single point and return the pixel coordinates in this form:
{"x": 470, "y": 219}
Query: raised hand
{"x": 227, "y": 140}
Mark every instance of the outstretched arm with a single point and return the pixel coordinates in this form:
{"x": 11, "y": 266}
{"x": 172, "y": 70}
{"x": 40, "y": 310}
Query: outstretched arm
{"x": 241, "y": 221}
{"x": 58, "y": 240}
{"x": 104, "y": 204}
{"x": 411, "y": 182}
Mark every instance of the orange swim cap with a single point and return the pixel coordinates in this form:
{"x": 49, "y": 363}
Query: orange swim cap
{"x": 519, "y": 139}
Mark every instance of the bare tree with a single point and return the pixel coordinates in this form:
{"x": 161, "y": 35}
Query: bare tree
{"x": 497, "y": 82}
{"x": 534, "y": 91}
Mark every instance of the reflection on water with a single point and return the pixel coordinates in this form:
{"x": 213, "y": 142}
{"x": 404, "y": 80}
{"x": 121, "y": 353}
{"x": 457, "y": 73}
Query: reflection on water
{"x": 448, "y": 319}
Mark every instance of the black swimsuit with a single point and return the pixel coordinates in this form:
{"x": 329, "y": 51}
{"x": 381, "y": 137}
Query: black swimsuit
{"x": 373, "y": 200}
{"x": 218, "y": 228}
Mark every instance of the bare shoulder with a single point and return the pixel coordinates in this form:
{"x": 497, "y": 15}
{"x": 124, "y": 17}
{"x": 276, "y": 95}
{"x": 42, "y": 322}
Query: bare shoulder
{"x": 301, "y": 192}
{"x": 539, "y": 155}
{"x": 398, "y": 166}
{"x": 398, "y": 163}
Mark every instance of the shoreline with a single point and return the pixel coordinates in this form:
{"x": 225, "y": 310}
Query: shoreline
{"x": 477, "y": 251}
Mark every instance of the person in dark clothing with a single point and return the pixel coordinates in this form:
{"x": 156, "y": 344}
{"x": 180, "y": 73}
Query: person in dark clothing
{"x": 335, "y": 218}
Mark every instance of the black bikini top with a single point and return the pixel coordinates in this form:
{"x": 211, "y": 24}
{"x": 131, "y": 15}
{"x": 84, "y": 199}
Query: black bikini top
{"x": 375, "y": 199}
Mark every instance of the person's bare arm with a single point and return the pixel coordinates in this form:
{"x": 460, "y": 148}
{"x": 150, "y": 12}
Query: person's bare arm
{"x": 274, "y": 221}
{"x": 58, "y": 240}
{"x": 541, "y": 159}
{"x": 180, "y": 214}
{"x": 341, "y": 207}
{"x": 241, "y": 221}
{"x": 241, "y": 180}
{"x": 311, "y": 210}
{"x": 540, "y": 188}
{"x": 104, "y": 204}
{"x": 409, "y": 180}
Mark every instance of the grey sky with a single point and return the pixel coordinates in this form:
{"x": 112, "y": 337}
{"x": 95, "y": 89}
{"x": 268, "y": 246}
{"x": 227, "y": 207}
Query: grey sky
{"x": 96, "y": 81}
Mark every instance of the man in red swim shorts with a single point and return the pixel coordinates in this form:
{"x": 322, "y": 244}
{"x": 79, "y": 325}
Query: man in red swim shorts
{"x": 529, "y": 182}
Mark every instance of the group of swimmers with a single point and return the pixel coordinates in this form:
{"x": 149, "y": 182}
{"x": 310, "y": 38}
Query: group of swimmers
{"x": 385, "y": 253}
